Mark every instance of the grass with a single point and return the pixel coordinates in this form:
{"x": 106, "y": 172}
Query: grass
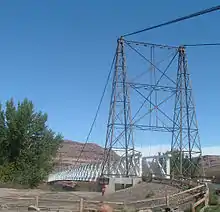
{"x": 213, "y": 202}
{"x": 215, "y": 208}
{"x": 198, "y": 208}
{"x": 213, "y": 198}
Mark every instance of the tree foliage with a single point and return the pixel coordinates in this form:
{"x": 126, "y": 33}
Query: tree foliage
{"x": 27, "y": 145}
{"x": 190, "y": 168}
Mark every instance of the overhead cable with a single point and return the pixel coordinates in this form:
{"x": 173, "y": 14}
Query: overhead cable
{"x": 202, "y": 12}
{"x": 97, "y": 111}
{"x": 202, "y": 44}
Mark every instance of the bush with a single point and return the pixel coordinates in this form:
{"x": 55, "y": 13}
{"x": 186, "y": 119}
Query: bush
{"x": 144, "y": 178}
{"x": 147, "y": 178}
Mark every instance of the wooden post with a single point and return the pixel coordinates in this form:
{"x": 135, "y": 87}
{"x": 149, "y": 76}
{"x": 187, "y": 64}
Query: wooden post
{"x": 37, "y": 201}
{"x": 198, "y": 203}
{"x": 81, "y": 205}
{"x": 193, "y": 209}
{"x": 207, "y": 197}
{"x": 167, "y": 198}
{"x": 168, "y": 201}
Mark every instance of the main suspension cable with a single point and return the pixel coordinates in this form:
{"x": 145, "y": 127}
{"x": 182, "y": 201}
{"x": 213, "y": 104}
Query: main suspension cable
{"x": 201, "y": 44}
{"x": 202, "y": 12}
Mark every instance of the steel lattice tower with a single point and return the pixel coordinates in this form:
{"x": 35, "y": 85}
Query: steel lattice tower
{"x": 185, "y": 145}
{"x": 119, "y": 137}
{"x": 150, "y": 97}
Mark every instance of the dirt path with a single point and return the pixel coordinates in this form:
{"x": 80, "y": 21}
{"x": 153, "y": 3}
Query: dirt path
{"x": 139, "y": 192}
{"x": 7, "y": 192}
{"x": 14, "y": 200}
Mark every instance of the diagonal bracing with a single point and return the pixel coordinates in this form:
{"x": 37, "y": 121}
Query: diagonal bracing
{"x": 149, "y": 83}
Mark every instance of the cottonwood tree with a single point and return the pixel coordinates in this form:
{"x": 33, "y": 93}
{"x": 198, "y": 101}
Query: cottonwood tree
{"x": 27, "y": 145}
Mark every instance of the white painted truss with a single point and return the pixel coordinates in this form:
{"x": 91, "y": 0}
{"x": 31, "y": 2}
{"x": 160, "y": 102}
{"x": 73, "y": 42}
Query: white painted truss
{"x": 154, "y": 166}
{"x": 91, "y": 172}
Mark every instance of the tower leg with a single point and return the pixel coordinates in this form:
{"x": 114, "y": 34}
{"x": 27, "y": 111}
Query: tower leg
{"x": 119, "y": 137}
{"x": 185, "y": 147}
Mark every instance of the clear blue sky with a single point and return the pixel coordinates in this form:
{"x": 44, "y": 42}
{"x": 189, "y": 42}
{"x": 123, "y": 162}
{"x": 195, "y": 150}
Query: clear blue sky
{"x": 58, "y": 53}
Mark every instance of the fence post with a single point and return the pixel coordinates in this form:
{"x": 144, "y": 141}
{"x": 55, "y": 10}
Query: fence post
{"x": 81, "y": 205}
{"x": 167, "y": 200}
{"x": 37, "y": 201}
{"x": 207, "y": 196}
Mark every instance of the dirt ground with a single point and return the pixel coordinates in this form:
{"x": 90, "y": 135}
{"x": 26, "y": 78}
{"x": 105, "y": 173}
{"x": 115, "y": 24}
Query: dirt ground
{"x": 8, "y": 192}
{"x": 139, "y": 192}
{"x": 14, "y": 200}
{"x": 19, "y": 199}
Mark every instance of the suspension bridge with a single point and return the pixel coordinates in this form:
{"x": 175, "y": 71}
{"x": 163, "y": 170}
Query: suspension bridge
{"x": 151, "y": 92}
{"x": 121, "y": 160}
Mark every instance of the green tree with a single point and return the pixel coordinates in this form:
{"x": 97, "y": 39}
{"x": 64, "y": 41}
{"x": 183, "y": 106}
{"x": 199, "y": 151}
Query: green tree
{"x": 27, "y": 145}
{"x": 189, "y": 168}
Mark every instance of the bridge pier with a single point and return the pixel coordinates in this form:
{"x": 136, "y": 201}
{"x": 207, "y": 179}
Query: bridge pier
{"x": 120, "y": 183}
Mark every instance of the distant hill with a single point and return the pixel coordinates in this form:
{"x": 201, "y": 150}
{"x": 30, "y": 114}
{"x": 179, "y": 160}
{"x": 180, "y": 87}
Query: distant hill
{"x": 70, "y": 151}
{"x": 211, "y": 164}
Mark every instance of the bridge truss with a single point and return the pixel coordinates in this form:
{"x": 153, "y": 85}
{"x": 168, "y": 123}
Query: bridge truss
{"x": 92, "y": 171}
